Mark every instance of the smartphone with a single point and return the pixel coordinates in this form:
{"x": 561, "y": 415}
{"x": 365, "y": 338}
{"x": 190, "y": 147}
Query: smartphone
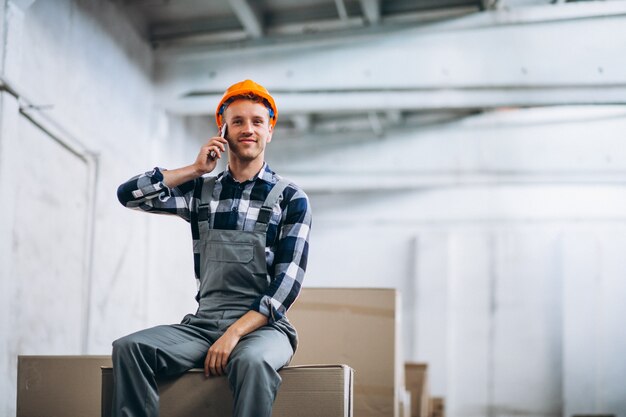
{"x": 212, "y": 155}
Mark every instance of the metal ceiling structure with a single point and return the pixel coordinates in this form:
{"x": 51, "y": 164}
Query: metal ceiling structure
{"x": 341, "y": 66}
{"x": 236, "y": 21}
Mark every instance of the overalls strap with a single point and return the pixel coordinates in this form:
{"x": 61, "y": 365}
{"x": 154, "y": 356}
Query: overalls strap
{"x": 265, "y": 212}
{"x": 203, "y": 205}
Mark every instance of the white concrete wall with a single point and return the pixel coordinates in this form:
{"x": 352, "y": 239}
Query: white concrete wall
{"x": 89, "y": 70}
{"x": 503, "y": 233}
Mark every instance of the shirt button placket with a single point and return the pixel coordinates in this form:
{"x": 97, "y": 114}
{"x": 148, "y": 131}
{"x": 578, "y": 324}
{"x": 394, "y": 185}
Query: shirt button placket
{"x": 236, "y": 202}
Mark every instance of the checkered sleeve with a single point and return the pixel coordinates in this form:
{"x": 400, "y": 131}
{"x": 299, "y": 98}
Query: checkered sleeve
{"x": 148, "y": 192}
{"x": 290, "y": 259}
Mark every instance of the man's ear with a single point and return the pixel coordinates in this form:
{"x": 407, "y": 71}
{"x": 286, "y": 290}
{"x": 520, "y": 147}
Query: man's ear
{"x": 271, "y": 131}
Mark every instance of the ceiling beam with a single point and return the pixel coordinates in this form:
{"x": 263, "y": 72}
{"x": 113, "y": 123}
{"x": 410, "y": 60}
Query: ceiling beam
{"x": 250, "y": 17}
{"x": 375, "y": 123}
{"x": 371, "y": 10}
{"x": 428, "y": 99}
{"x": 341, "y": 9}
{"x": 509, "y": 4}
{"x": 302, "y": 122}
{"x": 287, "y": 36}
{"x": 394, "y": 116}
{"x": 330, "y": 182}
{"x": 505, "y": 64}
{"x": 489, "y": 4}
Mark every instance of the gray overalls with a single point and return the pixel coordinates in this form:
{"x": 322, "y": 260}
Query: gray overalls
{"x": 233, "y": 273}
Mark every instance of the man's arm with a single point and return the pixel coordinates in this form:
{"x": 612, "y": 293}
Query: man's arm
{"x": 169, "y": 191}
{"x": 202, "y": 165}
{"x": 148, "y": 192}
{"x": 290, "y": 258}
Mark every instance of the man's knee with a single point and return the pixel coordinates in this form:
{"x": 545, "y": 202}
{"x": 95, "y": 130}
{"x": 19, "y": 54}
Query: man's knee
{"x": 131, "y": 345}
{"x": 140, "y": 341}
{"x": 123, "y": 346}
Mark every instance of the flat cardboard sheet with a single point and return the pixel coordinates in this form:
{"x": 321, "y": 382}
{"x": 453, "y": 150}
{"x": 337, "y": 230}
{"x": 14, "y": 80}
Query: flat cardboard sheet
{"x": 306, "y": 391}
{"x": 361, "y": 328}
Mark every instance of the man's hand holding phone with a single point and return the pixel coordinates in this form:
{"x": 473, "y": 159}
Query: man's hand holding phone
{"x": 211, "y": 152}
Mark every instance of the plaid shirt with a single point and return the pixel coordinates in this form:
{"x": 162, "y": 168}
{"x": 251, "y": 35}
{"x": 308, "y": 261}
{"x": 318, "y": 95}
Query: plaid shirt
{"x": 237, "y": 208}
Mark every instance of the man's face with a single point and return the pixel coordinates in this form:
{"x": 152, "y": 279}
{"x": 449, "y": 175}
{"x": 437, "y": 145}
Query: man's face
{"x": 248, "y": 130}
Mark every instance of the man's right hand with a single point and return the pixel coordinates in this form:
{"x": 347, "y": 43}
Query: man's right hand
{"x": 209, "y": 154}
{"x": 202, "y": 165}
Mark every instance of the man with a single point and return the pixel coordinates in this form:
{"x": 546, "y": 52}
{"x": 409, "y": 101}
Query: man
{"x": 250, "y": 232}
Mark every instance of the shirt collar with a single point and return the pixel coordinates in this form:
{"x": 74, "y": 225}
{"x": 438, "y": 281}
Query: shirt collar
{"x": 265, "y": 174}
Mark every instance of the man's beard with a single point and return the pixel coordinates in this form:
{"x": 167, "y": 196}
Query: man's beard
{"x": 240, "y": 152}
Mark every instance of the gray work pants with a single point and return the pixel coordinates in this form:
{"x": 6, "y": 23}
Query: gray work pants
{"x": 173, "y": 349}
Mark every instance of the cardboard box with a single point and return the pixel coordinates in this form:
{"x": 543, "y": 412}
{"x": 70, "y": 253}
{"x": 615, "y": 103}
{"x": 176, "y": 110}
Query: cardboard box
{"x": 358, "y": 327}
{"x": 59, "y": 386}
{"x": 416, "y": 381}
{"x": 306, "y": 391}
{"x": 437, "y": 407}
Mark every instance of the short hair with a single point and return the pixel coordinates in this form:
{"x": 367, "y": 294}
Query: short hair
{"x": 250, "y": 97}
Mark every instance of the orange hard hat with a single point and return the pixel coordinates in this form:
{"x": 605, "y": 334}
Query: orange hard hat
{"x": 246, "y": 87}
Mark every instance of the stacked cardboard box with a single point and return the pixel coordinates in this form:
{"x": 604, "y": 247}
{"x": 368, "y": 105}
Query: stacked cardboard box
{"x": 306, "y": 391}
{"x": 437, "y": 407}
{"x": 81, "y": 386}
{"x": 416, "y": 381}
{"x": 59, "y": 386}
{"x": 361, "y": 328}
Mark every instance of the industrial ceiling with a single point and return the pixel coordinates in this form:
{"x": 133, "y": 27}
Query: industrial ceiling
{"x": 351, "y": 65}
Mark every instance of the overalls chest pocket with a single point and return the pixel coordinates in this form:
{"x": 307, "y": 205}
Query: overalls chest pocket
{"x": 229, "y": 252}
{"x": 233, "y": 263}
